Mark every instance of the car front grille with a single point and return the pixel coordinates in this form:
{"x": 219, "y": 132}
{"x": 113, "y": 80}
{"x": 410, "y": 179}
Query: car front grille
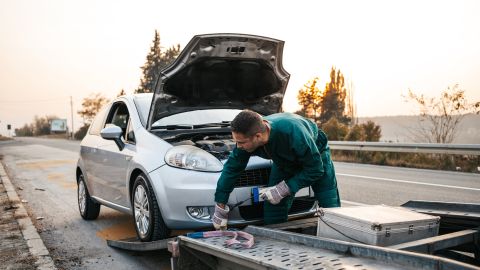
{"x": 299, "y": 205}
{"x": 255, "y": 177}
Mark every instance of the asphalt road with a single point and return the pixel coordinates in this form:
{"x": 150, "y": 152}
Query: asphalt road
{"x": 44, "y": 170}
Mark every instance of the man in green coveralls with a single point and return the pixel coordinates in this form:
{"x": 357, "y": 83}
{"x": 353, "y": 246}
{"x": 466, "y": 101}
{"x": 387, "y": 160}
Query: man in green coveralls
{"x": 300, "y": 155}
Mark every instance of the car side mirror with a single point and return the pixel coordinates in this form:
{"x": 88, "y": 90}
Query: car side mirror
{"x": 113, "y": 132}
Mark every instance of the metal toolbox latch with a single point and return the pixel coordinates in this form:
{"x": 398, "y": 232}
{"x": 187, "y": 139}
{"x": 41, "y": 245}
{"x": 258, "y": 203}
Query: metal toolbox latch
{"x": 376, "y": 226}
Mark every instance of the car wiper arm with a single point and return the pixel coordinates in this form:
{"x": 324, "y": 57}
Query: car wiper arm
{"x": 221, "y": 124}
{"x": 173, "y": 127}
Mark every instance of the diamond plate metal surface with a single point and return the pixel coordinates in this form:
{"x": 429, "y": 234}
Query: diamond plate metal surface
{"x": 283, "y": 255}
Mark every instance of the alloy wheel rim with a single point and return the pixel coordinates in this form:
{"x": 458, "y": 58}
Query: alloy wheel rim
{"x": 82, "y": 201}
{"x": 141, "y": 210}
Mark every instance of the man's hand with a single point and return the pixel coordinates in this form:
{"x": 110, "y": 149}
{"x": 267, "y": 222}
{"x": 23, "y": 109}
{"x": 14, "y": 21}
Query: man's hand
{"x": 220, "y": 217}
{"x": 275, "y": 194}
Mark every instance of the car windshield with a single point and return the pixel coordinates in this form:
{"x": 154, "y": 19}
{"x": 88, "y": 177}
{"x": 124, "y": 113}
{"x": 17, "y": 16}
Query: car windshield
{"x": 143, "y": 102}
{"x": 198, "y": 117}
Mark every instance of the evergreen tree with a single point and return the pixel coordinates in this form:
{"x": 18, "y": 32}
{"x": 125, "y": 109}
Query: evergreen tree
{"x": 156, "y": 61}
{"x": 333, "y": 99}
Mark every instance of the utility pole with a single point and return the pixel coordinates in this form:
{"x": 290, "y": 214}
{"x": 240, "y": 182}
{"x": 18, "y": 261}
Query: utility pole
{"x": 71, "y": 111}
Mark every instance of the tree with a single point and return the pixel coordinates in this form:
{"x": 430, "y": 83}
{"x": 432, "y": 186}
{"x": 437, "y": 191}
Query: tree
{"x": 156, "y": 61}
{"x": 41, "y": 125}
{"x": 333, "y": 100}
{"x": 367, "y": 132}
{"x": 350, "y": 107}
{"x": 356, "y": 133}
{"x": 440, "y": 118}
{"x": 371, "y": 131}
{"x": 81, "y": 132}
{"x": 309, "y": 98}
{"x": 335, "y": 130}
{"x": 121, "y": 93}
{"x": 26, "y": 130}
{"x": 90, "y": 107}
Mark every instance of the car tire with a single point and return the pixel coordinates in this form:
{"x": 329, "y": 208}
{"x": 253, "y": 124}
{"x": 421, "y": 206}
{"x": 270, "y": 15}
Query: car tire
{"x": 89, "y": 209}
{"x": 147, "y": 218}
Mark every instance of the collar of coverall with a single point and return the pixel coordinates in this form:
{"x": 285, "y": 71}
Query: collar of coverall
{"x": 268, "y": 131}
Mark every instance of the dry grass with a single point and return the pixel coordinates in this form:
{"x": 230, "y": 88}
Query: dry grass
{"x": 462, "y": 163}
{"x": 3, "y": 138}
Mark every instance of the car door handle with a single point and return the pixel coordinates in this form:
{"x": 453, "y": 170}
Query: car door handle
{"x": 128, "y": 158}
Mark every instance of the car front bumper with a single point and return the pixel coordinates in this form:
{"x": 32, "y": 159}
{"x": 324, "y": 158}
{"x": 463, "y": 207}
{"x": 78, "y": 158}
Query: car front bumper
{"x": 176, "y": 189}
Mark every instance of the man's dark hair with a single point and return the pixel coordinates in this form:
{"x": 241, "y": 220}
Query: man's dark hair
{"x": 248, "y": 123}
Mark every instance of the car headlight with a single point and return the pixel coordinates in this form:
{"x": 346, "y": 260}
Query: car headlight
{"x": 192, "y": 158}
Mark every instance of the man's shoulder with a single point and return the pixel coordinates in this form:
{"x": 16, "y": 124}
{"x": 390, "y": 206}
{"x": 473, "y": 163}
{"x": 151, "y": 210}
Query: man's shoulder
{"x": 284, "y": 117}
{"x": 289, "y": 123}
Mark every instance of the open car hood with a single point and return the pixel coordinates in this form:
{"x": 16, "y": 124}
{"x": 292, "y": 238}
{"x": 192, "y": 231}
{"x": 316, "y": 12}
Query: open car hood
{"x": 222, "y": 71}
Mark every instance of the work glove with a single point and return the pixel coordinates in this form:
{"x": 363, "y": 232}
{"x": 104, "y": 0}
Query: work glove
{"x": 276, "y": 193}
{"x": 220, "y": 217}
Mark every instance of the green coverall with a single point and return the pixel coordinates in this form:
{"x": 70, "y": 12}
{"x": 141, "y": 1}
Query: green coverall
{"x": 300, "y": 156}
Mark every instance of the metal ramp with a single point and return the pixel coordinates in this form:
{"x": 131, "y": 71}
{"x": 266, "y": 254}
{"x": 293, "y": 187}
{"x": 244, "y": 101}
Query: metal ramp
{"x": 276, "y": 249}
{"x": 133, "y": 244}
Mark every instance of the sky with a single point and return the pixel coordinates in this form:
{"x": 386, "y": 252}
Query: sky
{"x": 51, "y": 50}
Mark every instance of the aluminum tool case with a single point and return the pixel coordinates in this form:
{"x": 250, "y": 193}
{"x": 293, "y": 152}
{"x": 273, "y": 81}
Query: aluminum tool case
{"x": 378, "y": 225}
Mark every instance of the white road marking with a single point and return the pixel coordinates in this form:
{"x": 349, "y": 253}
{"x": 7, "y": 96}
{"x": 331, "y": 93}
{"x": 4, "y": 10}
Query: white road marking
{"x": 409, "y": 182}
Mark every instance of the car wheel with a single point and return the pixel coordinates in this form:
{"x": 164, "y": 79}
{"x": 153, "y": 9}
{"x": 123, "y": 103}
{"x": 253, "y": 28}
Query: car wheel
{"x": 149, "y": 223}
{"x": 89, "y": 209}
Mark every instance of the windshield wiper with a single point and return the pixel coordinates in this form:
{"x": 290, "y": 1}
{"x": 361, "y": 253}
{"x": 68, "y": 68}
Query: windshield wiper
{"x": 221, "y": 124}
{"x": 173, "y": 127}
{"x": 185, "y": 126}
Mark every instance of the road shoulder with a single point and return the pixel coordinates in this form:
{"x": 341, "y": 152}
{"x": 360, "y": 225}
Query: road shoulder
{"x": 16, "y": 220}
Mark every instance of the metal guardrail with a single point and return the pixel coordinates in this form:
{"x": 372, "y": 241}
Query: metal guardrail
{"x": 431, "y": 148}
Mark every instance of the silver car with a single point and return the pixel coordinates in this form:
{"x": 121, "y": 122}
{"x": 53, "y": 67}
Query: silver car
{"x": 158, "y": 156}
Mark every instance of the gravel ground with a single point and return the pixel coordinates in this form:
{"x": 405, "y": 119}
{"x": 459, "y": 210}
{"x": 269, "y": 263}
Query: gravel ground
{"x": 14, "y": 253}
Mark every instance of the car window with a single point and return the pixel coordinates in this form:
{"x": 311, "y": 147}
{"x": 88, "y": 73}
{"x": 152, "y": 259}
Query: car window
{"x": 97, "y": 123}
{"x": 198, "y": 117}
{"x": 118, "y": 116}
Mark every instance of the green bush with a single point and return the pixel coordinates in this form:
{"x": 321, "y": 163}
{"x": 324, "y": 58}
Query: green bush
{"x": 81, "y": 132}
{"x": 335, "y": 130}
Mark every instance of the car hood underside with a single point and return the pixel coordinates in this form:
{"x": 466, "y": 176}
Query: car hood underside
{"x": 216, "y": 71}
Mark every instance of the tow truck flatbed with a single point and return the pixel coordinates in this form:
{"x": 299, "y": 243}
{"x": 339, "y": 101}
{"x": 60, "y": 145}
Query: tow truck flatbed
{"x": 275, "y": 249}
{"x": 292, "y": 245}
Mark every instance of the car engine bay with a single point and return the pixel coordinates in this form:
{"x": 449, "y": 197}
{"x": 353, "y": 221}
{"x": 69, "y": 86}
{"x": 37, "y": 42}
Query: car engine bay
{"x": 219, "y": 145}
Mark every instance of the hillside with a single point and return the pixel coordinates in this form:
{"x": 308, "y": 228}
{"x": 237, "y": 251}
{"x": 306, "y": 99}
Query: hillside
{"x": 398, "y": 128}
